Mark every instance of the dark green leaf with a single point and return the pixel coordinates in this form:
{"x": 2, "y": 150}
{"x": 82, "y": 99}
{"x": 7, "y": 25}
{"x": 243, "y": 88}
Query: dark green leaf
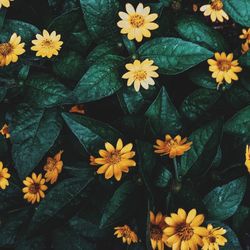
{"x": 240, "y": 217}
{"x": 33, "y": 133}
{"x": 222, "y": 202}
{"x": 37, "y": 243}
{"x": 3, "y": 91}
{"x": 203, "y": 150}
{"x": 2, "y": 17}
{"x": 173, "y": 55}
{"x": 163, "y": 178}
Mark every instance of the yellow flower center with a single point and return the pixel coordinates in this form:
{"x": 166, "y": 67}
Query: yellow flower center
{"x": 137, "y": 20}
{"x": 224, "y": 65}
{"x": 140, "y": 75}
{"x": 51, "y": 164}
{"x": 47, "y": 43}
{"x": 217, "y": 5}
{"x": 184, "y": 231}
{"x": 34, "y": 188}
{"x": 156, "y": 232}
{"x": 5, "y": 49}
{"x": 114, "y": 157}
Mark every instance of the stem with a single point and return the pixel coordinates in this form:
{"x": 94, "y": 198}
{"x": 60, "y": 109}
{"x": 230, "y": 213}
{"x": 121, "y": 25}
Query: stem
{"x": 176, "y": 169}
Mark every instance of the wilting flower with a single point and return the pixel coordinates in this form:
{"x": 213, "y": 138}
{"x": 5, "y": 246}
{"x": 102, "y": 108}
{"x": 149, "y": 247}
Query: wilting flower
{"x": 157, "y": 226}
{"x": 224, "y": 68}
{"x": 5, "y": 3}
{"x": 172, "y": 146}
{"x": 247, "y": 162}
{"x": 137, "y": 23}
{"x": 184, "y": 230}
{"x": 195, "y": 7}
{"x": 214, "y": 238}
{"x": 47, "y": 44}
{"x": 141, "y": 74}
{"x": 53, "y": 167}
{"x": 114, "y": 161}
{"x": 128, "y": 236}
{"x": 4, "y": 176}
{"x": 245, "y": 36}
{"x": 77, "y": 109}
{"x": 9, "y": 51}
{"x": 34, "y": 188}
{"x": 5, "y": 131}
{"x": 245, "y": 47}
{"x": 215, "y": 11}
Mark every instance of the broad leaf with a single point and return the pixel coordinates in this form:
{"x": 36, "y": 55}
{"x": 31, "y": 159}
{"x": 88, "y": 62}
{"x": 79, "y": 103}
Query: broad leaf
{"x": 222, "y": 202}
{"x": 173, "y": 55}
{"x": 164, "y": 178}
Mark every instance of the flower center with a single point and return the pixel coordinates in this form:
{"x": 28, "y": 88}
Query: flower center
{"x": 51, "y": 163}
{"x": 5, "y": 49}
{"x": 137, "y": 20}
{"x": 114, "y": 157}
{"x": 217, "y": 5}
{"x": 47, "y": 43}
{"x": 156, "y": 232}
{"x": 184, "y": 231}
{"x": 34, "y": 188}
{"x": 224, "y": 65}
{"x": 212, "y": 239}
{"x": 140, "y": 75}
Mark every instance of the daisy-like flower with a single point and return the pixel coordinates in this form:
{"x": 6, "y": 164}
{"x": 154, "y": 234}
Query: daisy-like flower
{"x": 184, "y": 230}
{"x": 224, "y": 68}
{"x": 34, "y": 188}
{"x": 5, "y": 131}
{"x": 9, "y": 51}
{"x": 47, "y": 45}
{"x": 114, "y": 161}
{"x": 245, "y": 48}
{"x": 215, "y": 11}
{"x": 137, "y": 23}
{"x": 4, "y": 176}
{"x": 172, "y": 146}
{"x": 77, "y": 109}
{"x": 126, "y": 233}
{"x": 247, "y": 162}
{"x": 53, "y": 167}
{"x": 5, "y": 3}
{"x": 245, "y": 36}
{"x": 214, "y": 238}
{"x": 157, "y": 226}
{"x": 141, "y": 74}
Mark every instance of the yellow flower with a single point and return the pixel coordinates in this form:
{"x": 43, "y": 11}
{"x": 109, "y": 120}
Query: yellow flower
{"x": 4, "y": 175}
{"x": 157, "y": 226}
{"x": 5, "y": 3}
{"x": 141, "y": 74}
{"x": 245, "y": 47}
{"x": 114, "y": 161}
{"x": 247, "y": 162}
{"x": 77, "y": 109}
{"x": 184, "y": 230}
{"x": 10, "y": 51}
{"x": 53, "y": 167}
{"x": 92, "y": 161}
{"x": 128, "y": 236}
{"x": 35, "y": 188}
{"x": 172, "y": 147}
{"x": 224, "y": 68}
{"x": 245, "y": 36}
{"x": 47, "y": 44}
{"x": 137, "y": 23}
{"x": 5, "y": 131}
{"x": 215, "y": 11}
{"x": 214, "y": 238}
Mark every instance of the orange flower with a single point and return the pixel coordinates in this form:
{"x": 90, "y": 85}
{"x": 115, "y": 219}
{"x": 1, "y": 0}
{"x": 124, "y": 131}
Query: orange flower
{"x": 172, "y": 147}
{"x": 128, "y": 236}
{"x": 5, "y": 131}
{"x": 92, "y": 161}
{"x": 77, "y": 109}
{"x": 53, "y": 167}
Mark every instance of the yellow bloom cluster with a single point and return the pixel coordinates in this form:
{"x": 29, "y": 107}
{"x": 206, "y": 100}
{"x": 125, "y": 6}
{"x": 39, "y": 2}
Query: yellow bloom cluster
{"x": 245, "y": 36}
{"x": 46, "y": 45}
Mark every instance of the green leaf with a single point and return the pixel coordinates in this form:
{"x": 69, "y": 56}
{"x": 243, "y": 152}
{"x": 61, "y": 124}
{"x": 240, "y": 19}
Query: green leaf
{"x": 119, "y": 205}
{"x": 240, "y": 217}
{"x": 238, "y": 11}
{"x": 203, "y": 150}
{"x": 101, "y": 80}
{"x": 163, "y": 116}
{"x": 25, "y": 30}
{"x": 239, "y": 124}
{"x": 43, "y": 90}
{"x": 166, "y": 3}
{"x": 33, "y": 133}
{"x": 60, "y": 196}
{"x": 222, "y": 202}
{"x": 194, "y": 30}
{"x": 173, "y": 55}
{"x": 164, "y": 178}
{"x": 91, "y": 133}
{"x": 37, "y": 243}
{"x": 3, "y": 92}
{"x": 99, "y": 17}
{"x": 69, "y": 65}
{"x": 245, "y": 59}
{"x": 199, "y": 103}
{"x": 2, "y": 17}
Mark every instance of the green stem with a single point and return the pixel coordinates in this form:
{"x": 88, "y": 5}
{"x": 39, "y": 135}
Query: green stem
{"x": 176, "y": 169}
